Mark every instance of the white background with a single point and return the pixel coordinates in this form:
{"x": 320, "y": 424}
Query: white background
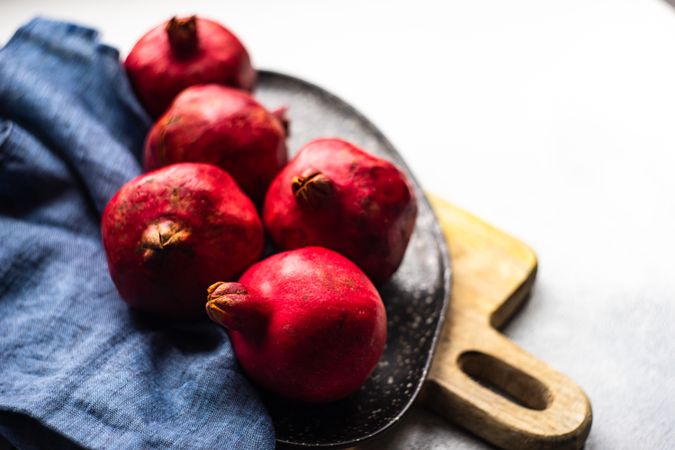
{"x": 554, "y": 120}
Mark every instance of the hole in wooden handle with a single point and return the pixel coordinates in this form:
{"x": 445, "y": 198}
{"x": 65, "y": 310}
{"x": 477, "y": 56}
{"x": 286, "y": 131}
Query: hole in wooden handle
{"x": 505, "y": 380}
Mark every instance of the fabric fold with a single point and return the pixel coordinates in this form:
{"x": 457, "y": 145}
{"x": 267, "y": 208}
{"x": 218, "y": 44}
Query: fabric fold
{"x": 77, "y": 367}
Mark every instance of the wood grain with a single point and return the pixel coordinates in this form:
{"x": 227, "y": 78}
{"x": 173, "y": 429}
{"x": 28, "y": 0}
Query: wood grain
{"x": 481, "y": 380}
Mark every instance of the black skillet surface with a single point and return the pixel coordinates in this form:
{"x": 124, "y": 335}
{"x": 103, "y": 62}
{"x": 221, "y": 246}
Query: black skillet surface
{"x": 415, "y": 298}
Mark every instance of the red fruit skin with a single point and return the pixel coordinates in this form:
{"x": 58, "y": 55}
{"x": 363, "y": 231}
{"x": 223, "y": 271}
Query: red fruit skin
{"x": 369, "y": 216}
{"x": 221, "y": 236}
{"x": 221, "y": 126}
{"x": 158, "y": 73}
{"x": 323, "y": 325}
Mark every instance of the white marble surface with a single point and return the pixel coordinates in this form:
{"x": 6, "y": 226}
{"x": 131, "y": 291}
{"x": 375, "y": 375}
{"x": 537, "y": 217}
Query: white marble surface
{"x": 553, "y": 120}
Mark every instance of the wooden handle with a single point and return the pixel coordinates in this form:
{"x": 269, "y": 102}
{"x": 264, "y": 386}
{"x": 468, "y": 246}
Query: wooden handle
{"x": 481, "y": 380}
{"x": 501, "y": 393}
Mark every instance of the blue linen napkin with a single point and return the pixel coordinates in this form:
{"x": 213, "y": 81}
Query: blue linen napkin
{"x": 77, "y": 367}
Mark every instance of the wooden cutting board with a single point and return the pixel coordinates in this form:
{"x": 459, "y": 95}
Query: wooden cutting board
{"x": 479, "y": 379}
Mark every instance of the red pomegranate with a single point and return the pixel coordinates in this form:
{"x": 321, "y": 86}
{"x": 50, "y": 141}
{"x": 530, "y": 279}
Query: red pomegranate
{"x": 183, "y": 52}
{"x": 171, "y": 233}
{"x": 336, "y": 195}
{"x": 222, "y": 126}
{"x": 306, "y": 324}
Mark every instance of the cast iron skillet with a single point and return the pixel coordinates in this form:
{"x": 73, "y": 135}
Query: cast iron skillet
{"x": 416, "y": 298}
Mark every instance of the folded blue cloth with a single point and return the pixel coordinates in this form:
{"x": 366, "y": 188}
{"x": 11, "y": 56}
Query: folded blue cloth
{"x": 77, "y": 367}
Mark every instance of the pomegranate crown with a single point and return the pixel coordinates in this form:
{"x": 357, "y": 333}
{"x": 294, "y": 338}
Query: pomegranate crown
{"x": 159, "y": 238}
{"x": 182, "y": 34}
{"x": 312, "y": 188}
{"x": 230, "y": 305}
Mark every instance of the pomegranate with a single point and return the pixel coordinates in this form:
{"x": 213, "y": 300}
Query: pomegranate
{"x": 183, "y": 52}
{"x": 170, "y": 233}
{"x": 336, "y": 195}
{"x": 222, "y": 126}
{"x": 306, "y": 324}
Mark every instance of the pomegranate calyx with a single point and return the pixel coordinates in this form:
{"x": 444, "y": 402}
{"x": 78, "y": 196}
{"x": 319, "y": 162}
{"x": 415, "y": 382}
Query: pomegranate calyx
{"x": 312, "y": 188}
{"x": 161, "y": 236}
{"x": 230, "y": 305}
{"x": 281, "y": 114}
{"x": 182, "y": 35}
